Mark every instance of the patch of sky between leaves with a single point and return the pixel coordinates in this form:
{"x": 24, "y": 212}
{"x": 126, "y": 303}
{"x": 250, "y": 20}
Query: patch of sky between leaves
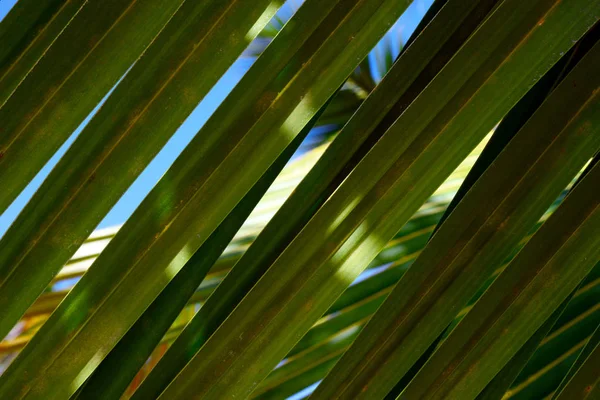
{"x": 307, "y": 391}
{"x": 5, "y": 6}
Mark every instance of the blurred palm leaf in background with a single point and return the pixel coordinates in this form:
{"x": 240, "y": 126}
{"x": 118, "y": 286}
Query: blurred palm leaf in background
{"x": 366, "y": 214}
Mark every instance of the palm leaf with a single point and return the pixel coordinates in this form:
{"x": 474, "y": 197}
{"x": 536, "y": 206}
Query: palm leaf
{"x": 454, "y": 266}
{"x": 278, "y": 310}
{"x": 174, "y": 209}
{"x": 52, "y": 225}
{"x": 358, "y": 135}
{"x": 70, "y": 78}
{"x": 434, "y": 233}
{"x": 26, "y": 33}
{"x": 582, "y": 380}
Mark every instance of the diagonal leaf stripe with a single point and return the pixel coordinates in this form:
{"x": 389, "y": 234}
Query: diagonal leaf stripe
{"x": 557, "y": 352}
{"x": 311, "y": 272}
{"x": 399, "y": 87}
{"x": 505, "y": 377}
{"x": 521, "y": 112}
{"x": 582, "y": 381}
{"x": 99, "y": 166}
{"x": 501, "y": 136}
{"x": 399, "y": 251}
{"x": 323, "y": 340}
{"x": 26, "y": 33}
{"x": 433, "y": 233}
{"x": 22, "y": 25}
{"x": 513, "y": 193}
{"x": 497, "y": 387}
{"x": 502, "y": 320}
{"x": 137, "y": 345}
{"x": 191, "y": 200}
{"x": 88, "y": 58}
{"x": 590, "y": 346}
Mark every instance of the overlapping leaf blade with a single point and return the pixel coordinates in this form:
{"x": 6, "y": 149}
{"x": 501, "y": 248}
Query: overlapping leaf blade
{"x": 401, "y": 85}
{"x": 85, "y": 61}
{"x": 161, "y": 90}
{"x": 364, "y": 182}
{"x": 344, "y": 319}
{"x": 503, "y": 319}
{"x": 26, "y": 33}
{"x": 558, "y": 351}
{"x": 168, "y": 227}
{"x": 378, "y": 359}
{"x": 498, "y": 386}
{"x": 137, "y": 345}
{"x": 311, "y": 272}
{"x": 582, "y": 380}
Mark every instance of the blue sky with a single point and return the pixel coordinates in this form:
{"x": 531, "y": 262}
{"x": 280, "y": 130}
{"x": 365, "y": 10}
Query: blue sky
{"x": 132, "y": 198}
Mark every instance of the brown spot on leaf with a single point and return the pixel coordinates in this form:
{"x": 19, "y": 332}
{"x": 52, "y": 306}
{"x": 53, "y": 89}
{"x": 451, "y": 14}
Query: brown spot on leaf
{"x": 588, "y": 388}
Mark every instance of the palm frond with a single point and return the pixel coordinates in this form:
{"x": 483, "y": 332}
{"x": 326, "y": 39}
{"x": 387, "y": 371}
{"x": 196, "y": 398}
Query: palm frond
{"x": 368, "y": 214}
